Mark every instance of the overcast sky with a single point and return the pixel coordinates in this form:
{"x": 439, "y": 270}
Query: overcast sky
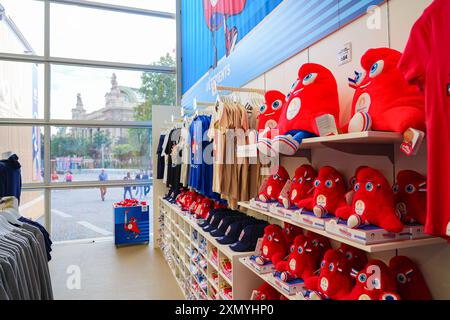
{"x": 97, "y": 35}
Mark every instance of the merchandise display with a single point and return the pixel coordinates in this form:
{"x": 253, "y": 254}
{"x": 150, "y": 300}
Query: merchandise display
{"x": 373, "y": 203}
{"x": 302, "y": 262}
{"x": 264, "y": 150}
{"x": 273, "y": 247}
{"x": 411, "y": 284}
{"x": 302, "y": 187}
{"x": 312, "y": 95}
{"x": 410, "y": 194}
{"x": 270, "y": 112}
{"x": 25, "y": 245}
{"x": 334, "y": 281}
{"x": 371, "y": 285}
{"x": 274, "y": 185}
{"x": 267, "y": 292}
{"x": 430, "y": 71}
{"x": 291, "y": 232}
{"x": 329, "y": 193}
{"x": 383, "y": 100}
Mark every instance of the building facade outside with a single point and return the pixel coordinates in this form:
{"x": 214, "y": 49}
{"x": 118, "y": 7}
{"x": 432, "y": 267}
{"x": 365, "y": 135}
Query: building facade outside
{"x": 120, "y": 102}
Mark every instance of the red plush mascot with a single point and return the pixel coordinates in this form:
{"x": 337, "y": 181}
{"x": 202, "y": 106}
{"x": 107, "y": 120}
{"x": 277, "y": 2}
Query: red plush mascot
{"x": 302, "y": 186}
{"x": 411, "y": 284}
{"x": 356, "y": 257}
{"x": 373, "y": 203}
{"x": 274, "y": 246}
{"x": 303, "y": 260}
{"x": 334, "y": 281}
{"x": 269, "y": 113}
{"x": 384, "y": 100}
{"x": 411, "y": 196}
{"x": 314, "y": 94}
{"x": 274, "y": 185}
{"x": 267, "y": 292}
{"x": 329, "y": 193}
{"x": 290, "y": 232}
{"x": 352, "y": 182}
{"x": 375, "y": 282}
{"x": 318, "y": 241}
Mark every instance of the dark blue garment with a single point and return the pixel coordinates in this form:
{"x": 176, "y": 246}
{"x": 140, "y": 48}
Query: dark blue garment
{"x": 47, "y": 240}
{"x": 10, "y": 177}
{"x": 160, "y": 168}
{"x": 201, "y": 171}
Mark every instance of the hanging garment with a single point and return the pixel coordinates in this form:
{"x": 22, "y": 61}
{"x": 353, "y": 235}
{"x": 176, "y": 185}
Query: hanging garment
{"x": 160, "y": 158}
{"x": 10, "y": 177}
{"x": 166, "y": 157}
{"x": 185, "y": 143}
{"x": 426, "y": 62}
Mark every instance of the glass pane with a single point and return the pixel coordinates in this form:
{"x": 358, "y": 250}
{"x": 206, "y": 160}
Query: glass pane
{"x": 82, "y": 214}
{"x": 28, "y": 143}
{"x": 93, "y": 34}
{"x": 22, "y": 26}
{"x": 158, "y": 5}
{"x": 21, "y": 90}
{"x": 32, "y": 206}
{"x": 80, "y": 93}
{"x": 82, "y": 154}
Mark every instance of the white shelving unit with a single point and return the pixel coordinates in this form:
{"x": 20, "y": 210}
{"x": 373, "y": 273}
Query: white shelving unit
{"x": 368, "y": 248}
{"x": 177, "y": 243}
{"x": 367, "y": 137}
{"x": 269, "y": 279}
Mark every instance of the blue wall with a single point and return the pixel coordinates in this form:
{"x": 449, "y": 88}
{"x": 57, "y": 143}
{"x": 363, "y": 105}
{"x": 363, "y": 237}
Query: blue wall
{"x": 289, "y": 27}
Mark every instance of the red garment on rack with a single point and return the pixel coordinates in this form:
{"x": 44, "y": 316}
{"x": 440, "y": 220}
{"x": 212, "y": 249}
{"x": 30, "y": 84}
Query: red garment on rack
{"x": 426, "y": 63}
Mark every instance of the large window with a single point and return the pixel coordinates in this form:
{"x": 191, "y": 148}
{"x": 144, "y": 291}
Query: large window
{"x": 77, "y": 83}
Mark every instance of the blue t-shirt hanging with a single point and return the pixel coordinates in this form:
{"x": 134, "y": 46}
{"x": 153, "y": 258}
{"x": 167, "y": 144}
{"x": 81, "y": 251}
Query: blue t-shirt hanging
{"x": 201, "y": 172}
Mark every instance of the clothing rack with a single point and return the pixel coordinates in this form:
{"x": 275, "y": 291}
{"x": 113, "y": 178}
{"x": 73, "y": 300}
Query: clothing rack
{"x": 243, "y": 90}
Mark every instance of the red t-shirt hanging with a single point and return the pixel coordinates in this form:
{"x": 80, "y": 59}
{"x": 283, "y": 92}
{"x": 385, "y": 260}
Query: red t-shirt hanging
{"x": 426, "y": 62}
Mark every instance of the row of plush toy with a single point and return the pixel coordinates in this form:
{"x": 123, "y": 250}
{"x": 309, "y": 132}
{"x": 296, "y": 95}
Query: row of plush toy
{"x": 383, "y": 101}
{"x": 197, "y": 204}
{"x": 338, "y": 274}
{"x": 370, "y": 199}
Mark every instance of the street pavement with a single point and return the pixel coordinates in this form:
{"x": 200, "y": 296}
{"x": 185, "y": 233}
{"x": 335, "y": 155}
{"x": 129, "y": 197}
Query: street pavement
{"x": 81, "y": 214}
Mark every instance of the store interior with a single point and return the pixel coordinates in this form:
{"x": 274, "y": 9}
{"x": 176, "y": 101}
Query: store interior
{"x": 280, "y": 152}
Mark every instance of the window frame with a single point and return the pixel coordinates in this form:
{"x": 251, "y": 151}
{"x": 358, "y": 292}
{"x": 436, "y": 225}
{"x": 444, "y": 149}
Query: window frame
{"x": 47, "y": 123}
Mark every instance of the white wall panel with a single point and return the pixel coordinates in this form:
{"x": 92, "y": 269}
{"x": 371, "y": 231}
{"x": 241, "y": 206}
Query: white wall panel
{"x": 402, "y": 15}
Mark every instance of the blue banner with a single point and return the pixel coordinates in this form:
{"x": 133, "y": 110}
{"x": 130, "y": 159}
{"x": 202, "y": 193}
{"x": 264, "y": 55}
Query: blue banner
{"x": 231, "y": 42}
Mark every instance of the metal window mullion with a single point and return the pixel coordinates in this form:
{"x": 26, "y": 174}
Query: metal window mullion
{"x": 47, "y": 129}
{"x": 76, "y": 123}
{"x": 179, "y": 52}
{"x": 116, "y": 8}
{"x": 85, "y": 185}
{"x": 17, "y": 57}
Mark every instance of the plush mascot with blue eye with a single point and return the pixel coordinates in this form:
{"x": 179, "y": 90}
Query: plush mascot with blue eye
{"x": 375, "y": 282}
{"x": 269, "y": 113}
{"x": 384, "y": 100}
{"x": 411, "y": 196}
{"x": 314, "y": 94}
{"x": 373, "y": 203}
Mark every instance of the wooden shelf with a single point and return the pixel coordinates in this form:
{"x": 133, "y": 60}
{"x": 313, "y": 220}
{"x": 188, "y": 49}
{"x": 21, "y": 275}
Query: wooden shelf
{"x": 228, "y": 280}
{"x": 368, "y": 248}
{"x": 268, "y": 278}
{"x": 367, "y": 137}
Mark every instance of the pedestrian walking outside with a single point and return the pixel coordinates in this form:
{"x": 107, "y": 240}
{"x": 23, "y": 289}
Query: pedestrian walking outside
{"x": 127, "y": 189}
{"x": 103, "y": 176}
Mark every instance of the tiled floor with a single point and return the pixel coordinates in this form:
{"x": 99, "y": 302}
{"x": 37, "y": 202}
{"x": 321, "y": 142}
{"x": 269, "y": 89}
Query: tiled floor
{"x": 107, "y": 273}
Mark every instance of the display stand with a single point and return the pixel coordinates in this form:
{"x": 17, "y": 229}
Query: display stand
{"x": 182, "y": 239}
